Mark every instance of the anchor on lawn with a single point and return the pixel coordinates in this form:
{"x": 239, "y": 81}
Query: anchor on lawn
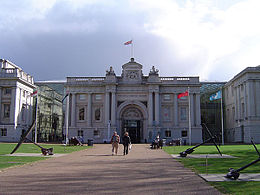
{"x": 45, "y": 151}
{"x": 234, "y": 174}
{"x": 212, "y": 138}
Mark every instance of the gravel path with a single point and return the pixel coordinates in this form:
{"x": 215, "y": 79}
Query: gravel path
{"x": 96, "y": 171}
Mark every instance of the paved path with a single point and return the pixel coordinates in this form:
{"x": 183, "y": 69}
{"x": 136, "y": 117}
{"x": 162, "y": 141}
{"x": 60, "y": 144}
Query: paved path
{"x": 95, "y": 171}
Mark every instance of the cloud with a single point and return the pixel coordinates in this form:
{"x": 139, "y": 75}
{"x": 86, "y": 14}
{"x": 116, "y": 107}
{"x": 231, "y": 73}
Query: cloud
{"x": 181, "y": 38}
{"x": 202, "y": 28}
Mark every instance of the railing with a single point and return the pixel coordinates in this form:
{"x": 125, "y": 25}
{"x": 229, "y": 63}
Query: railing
{"x": 15, "y": 73}
{"x": 179, "y": 79}
{"x": 80, "y": 80}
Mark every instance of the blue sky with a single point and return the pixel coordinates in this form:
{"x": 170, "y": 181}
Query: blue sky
{"x": 53, "y": 39}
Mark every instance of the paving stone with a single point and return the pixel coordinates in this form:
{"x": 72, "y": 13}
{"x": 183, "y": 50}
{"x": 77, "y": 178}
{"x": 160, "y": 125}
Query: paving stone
{"x": 203, "y": 156}
{"x": 221, "y": 177}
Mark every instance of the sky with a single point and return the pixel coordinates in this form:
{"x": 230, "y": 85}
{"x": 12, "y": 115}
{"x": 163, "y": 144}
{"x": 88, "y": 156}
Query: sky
{"x": 54, "y": 39}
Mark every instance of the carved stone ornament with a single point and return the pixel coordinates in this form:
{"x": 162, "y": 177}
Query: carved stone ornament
{"x": 132, "y": 113}
{"x": 110, "y": 71}
{"x": 132, "y": 75}
{"x": 154, "y": 71}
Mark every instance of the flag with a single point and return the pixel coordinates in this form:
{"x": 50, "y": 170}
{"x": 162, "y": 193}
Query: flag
{"x": 186, "y": 93}
{"x": 128, "y": 42}
{"x": 215, "y": 96}
{"x": 34, "y": 93}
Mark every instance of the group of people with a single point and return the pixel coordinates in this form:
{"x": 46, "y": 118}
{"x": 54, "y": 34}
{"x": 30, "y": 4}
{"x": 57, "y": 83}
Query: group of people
{"x": 115, "y": 140}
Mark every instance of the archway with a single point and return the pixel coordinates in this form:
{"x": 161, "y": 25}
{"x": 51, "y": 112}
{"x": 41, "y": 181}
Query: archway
{"x": 132, "y": 122}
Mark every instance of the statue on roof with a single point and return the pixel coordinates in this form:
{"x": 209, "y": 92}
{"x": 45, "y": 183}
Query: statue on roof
{"x": 110, "y": 71}
{"x": 153, "y": 71}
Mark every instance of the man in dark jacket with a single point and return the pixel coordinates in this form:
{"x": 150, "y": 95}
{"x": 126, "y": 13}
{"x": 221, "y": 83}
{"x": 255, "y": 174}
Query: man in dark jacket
{"x": 126, "y": 141}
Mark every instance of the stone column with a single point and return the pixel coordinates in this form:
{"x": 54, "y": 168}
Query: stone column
{"x": 113, "y": 109}
{"x": 20, "y": 106}
{"x": 89, "y": 108}
{"x": 157, "y": 108}
{"x": 198, "y": 119}
{"x": 252, "y": 98}
{"x": 191, "y": 109}
{"x": 73, "y": 110}
{"x": 107, "y": 109}
{"x": 248, "y": 106}
{"x": 150, "y": 109}
{"x": 238, "y": 103}
{"x": 12, "y": 107}
{"x": 175, "y": 104}
{"x": 245, "y": 101}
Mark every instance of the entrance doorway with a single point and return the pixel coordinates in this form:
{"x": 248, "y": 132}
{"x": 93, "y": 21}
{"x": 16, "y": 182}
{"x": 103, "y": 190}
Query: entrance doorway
{"x": 133, "y": 127}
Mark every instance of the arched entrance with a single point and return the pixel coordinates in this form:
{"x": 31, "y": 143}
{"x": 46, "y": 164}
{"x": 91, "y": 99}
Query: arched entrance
{"x": 132, "y": 122}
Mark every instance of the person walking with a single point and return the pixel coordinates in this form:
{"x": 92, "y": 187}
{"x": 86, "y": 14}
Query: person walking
{"x": 126, "y": 141}
{"x": 115, "y": 139}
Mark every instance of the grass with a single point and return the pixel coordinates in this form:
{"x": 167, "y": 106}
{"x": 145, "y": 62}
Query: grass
{"x": 244, "y": 153}
{"x": 8, "y": 161}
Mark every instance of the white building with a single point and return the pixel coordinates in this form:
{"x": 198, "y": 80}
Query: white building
{"x": 242, "y": 106}
{"x": 15, "y": 101}
{"x": 142, "y": 105}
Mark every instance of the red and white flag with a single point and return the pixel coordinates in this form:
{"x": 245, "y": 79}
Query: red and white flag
{"x": 128, "y": 42}
{"x": 186, "y": 93}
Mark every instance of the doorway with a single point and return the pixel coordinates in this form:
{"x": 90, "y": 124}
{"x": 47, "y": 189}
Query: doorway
{"x": 133, "y": 127}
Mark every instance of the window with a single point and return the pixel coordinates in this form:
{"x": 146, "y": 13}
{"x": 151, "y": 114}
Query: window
{"x": 184, "y": 133}
{"x": 6, "y": 110}
{"x": 166, "y": 97}
{"x": 183, "y": 114}
{"x": 233, "y": 113}
{"x": 3, "y": 132}
{"x": 166, "y": 113}
{"x": 81, "y": 114}
{"x": 82, "y": 96}
{"x": 168, "y": 133}
{"x": 80, "y": 133}
{"x": 7, "y": 91}
{"x": 24, "y": 93}
{"x": 98, "y": 97}
{"x": 23, "y": 112}
{"x": 96, "y": 133}
{"x": 97, "y": 114}
{"x": 243, "y": 110}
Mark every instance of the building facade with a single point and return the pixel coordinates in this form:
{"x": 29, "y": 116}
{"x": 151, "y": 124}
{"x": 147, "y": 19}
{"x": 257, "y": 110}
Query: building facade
{"x": 15, "y": 101}
{"x": 242, "y": 106}
{"x": 142, "y": 105}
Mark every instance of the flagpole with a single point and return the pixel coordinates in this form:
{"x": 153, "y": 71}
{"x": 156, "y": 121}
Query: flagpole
{"x": 222, "y": 121}
{"x": 132, "y": 49}
{"x": 36, "y": 121}
{"x": 189, "y": 117}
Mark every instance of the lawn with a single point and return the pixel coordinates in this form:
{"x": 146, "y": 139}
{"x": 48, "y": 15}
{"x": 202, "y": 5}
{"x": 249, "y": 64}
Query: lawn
{"x": 244, "y": 153}
{"x": 8, "y": 161}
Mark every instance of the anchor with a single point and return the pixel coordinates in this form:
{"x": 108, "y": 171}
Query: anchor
{"x": 234, "y": 174}
{"x": 212, "y": 138}
{"x": 45, "y": 151}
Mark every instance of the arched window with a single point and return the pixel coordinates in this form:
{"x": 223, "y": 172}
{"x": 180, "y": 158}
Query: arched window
{"x": 81, "y": 114}
{"x": 97, "y": 114}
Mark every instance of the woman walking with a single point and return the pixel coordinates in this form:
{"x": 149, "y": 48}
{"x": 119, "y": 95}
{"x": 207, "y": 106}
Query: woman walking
{"x": 126, "y": 141}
